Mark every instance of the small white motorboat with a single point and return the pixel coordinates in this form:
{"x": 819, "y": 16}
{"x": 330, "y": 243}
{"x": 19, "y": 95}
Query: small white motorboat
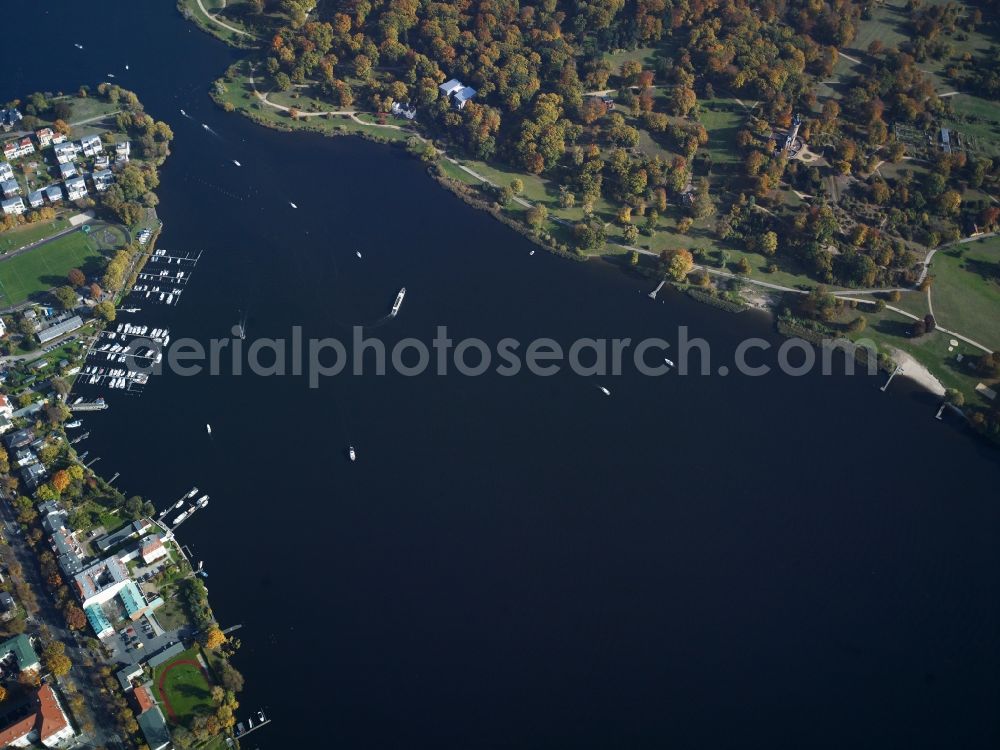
{"x": 532, "y": 252}
{"x": 237, "y": 163}
{"x": 358, "y": 253}
{"x": 184, "y": 113}
{"x": 352, "y": 453}
{"x": 208, "y": 429}
{"x": 605, "y": 391}
{"x": 670, "y": 362}
{"x": 292, "y": 204}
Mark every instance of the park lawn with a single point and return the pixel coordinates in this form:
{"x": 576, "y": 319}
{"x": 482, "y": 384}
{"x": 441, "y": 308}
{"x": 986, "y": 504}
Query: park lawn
{"x": 15, "y": 239}
{"x": 45, "y": 267}
{"x": 191, "y": 10}
{"x": 722, "y": 119}
{"x": 914, "y": 302}
{"x": 454, "y": 172}
{"x": 889, "y": 329}
{"x": 185, "y": 691}
{"x": 979, "y": 125}
{"x": 171, "y": 615}
{"x": 966, "y": 291}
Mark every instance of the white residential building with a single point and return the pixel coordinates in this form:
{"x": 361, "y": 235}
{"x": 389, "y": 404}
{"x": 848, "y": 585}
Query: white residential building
{"x": 66, "y": 152}
{"x": 6, "y": 171}
{"x": 44, "y": 136}
{"x": 76, "y": 188}
{"x": 102, "y": 180}
{"x": 13, "y": 206}
{"x": 92, "y": 146}
{"x": 123, "y": 151}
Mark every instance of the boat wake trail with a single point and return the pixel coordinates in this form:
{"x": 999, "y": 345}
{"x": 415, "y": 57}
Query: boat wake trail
{"x": 211, "y": 131}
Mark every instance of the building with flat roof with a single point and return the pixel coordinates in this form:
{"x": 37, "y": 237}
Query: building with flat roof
{"x": 101, "y": 582}
{"x": 59, "y": 329}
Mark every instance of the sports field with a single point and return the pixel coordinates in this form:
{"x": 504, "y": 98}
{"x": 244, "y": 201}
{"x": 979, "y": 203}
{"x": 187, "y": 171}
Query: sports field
{"x": 46, "y": 266}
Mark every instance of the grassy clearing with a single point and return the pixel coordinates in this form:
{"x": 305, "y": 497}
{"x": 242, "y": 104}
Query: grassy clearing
{"x": 978, "y": 122}
{"x": 46, "y": 266}
{"x": 966, "y": 291}
{"x": 722, "y": 119}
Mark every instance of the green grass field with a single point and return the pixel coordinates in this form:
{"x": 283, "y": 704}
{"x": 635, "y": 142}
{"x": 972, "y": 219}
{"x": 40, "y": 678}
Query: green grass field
{"x": 722, "y": 119}
{"x": 46, "y": 266}
{"x": 183, "y": 687}
{"x": 966, "y": 291}
{"x": 28, "y": 233}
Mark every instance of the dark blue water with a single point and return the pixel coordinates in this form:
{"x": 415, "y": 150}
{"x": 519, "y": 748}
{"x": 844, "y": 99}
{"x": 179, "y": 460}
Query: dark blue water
{"x": 697, "y": 562}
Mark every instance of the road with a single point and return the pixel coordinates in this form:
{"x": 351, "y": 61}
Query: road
{"x": 93, "y": 712}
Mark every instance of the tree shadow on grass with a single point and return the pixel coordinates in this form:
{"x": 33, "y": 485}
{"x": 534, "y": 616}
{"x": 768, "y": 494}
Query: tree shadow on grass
{"x": 897, "y": 328}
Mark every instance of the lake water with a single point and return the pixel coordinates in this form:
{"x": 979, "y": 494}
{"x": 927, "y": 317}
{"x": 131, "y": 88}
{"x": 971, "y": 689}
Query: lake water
{"x": 521, "y": 562}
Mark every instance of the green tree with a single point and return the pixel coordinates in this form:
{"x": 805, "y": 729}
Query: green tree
{"x": 105, "y": 310}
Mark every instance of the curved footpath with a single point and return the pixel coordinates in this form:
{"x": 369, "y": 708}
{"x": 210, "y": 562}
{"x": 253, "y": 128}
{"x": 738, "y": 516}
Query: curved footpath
{"x": 844, "y": 295}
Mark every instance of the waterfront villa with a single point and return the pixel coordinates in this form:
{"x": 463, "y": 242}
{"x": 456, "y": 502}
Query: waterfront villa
{"x": 458, "y": 92}
{"x": 122, "y": 152}
{"x": 44, "y": 136}
{"x": 151, "y": 549}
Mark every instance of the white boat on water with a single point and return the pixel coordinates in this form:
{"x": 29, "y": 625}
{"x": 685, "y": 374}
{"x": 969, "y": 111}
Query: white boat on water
{"x": 208, "y": 428}
{"x": 71, "y": 425}
{"x": 181, "y": 517}
{"x": 605, "y": 391}
{"x": 184, "y": 113}
{"x": 351, "y": 452}
{"x": 202, "y": 501}
{"x": 399, "y": 301}
{"x": 532, "y": 252}
{"x": 358, "y": 253}
{"x": 292, "y": 204}
{"x": 237, "y": 163}
{"x": 670, "y": 362}
{"x": 188, "y": 496}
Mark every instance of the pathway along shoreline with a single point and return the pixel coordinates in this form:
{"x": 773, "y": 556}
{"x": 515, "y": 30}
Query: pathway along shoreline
{"x": 912, "y": 368}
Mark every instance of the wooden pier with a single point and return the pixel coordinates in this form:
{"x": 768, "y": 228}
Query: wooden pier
{"x": 652, "y": 294}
